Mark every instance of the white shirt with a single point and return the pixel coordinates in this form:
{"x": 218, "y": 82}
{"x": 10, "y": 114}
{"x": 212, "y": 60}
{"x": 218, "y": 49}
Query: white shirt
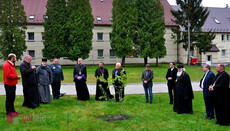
{"x": 172, "y": 69}
{"x": 11, "y": 62}
{"x": 202, "y": 83}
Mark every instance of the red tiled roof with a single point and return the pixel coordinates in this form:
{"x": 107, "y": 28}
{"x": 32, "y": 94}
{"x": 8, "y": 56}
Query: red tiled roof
{"x": 103, "y": 10}
{"x": 99, "y": 9}
{"x": 168, "y": 14}
{"x": 36, "y": 8}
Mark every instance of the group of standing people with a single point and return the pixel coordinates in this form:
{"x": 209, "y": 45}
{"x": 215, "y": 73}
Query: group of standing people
{"x": 102, "y": 87}
{"x": 216, "y": 92}
{"x": 35, "y": 82}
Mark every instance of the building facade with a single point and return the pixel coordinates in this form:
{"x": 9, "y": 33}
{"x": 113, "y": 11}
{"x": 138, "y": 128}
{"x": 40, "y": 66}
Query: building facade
{"x": 101, "y": 10}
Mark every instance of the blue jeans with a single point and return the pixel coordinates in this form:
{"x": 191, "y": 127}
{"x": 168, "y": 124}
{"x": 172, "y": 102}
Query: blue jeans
{"x": 146, "y": 88}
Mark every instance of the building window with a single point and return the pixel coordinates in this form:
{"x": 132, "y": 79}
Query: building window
{"x": 112, "y": 53}
{"x": 191, "y": 53}
{"x": 100, "y": 36}
{"x": 31, "y": 17}
{"x": 110, "y": 36}
{"x": 227, "y": 37}
{"x": 31, "y": 36}
{"x": 100, "y": 53}
{"x": 32, "y": 53}
{"x": 98, "y": 18}
{"x": 43, "y": 36}
{"x": 222, "y": 37}
{"x": 223, "y": 52}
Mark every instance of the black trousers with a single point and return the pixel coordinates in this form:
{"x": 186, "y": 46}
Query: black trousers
{"x": 56, "y": 89}
{"x": 209, "y": 107}
{"x": 119, "y": 91}
{"x": 171, "y": 88}
{"x": 10, "y": 97}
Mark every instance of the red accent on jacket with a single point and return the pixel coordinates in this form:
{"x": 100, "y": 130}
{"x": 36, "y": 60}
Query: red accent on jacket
{"x": 9, "y": 74}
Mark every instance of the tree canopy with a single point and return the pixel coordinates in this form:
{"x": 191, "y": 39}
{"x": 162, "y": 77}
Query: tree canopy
{"x": 13, "y": 22}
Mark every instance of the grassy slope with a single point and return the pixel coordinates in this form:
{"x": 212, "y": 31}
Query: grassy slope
{"x": 158, "y": 116}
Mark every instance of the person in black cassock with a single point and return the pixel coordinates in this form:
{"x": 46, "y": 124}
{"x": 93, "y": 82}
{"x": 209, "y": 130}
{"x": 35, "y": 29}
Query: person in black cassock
{"x": 30, "y": 88}
{"x": 102, "y": 89}
{"x": 221, "y": 94}
{"x": 80, "y": 78}
{"x": 171, "y": 77}
{"x": 184, "y": 93}
{"x": 118, "y": 85}
{"x": 44, "y": 79}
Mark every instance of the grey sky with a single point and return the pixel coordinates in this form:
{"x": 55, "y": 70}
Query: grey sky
{"x": 209, "y": 3}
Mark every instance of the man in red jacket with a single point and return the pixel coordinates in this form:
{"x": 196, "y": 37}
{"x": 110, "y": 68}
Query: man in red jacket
{"x": 10, "y": 80}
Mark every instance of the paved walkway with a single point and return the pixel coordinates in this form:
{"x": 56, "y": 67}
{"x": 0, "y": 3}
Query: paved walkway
{"x": 132, "y": 88}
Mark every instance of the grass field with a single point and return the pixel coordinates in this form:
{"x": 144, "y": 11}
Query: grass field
{"x": 82, "y": 115}
{"x": 133, "y": 72}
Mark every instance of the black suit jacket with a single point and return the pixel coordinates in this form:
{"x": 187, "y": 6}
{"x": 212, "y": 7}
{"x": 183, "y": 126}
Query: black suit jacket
{"x": 118, "y": 74}
{"x": 171, "y": 74}
{"x": 147, "y": 78}
{"x": 207, "y": 82}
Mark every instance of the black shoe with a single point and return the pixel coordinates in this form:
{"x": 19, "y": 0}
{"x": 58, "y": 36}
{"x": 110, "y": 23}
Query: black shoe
{"x": 150, "y": 102}
{"x": 56, "y": 98}
{"x": 62, "y": 94}
{"x": 111, "y": 97}
{"x": 170, "y": 103}
{"x": 147, "y": 102}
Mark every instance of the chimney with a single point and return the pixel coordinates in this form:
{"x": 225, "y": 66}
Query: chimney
{"x": 227, "y": 6}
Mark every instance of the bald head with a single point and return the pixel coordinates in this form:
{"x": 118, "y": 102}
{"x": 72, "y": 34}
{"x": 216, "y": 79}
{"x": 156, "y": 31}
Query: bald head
{"x": 118, "y": 66}
{"x": 79, "y": 61}
{"x": 220, "y": 68}
{"x": 55, "y": 61}
{"x": 28, "y": 58}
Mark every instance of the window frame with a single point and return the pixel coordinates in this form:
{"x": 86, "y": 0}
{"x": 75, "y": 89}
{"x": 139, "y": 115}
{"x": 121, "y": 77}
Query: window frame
{"x": 33, "y": 57}
{"x": 101, "y": 36}
{"x": 102, "y": 53}
{"x": 29, "y": 36}
{"x": 224, "y": 53}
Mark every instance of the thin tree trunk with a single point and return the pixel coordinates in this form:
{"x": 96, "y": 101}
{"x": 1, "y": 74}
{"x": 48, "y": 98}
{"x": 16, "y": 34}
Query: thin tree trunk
{"x": 145, "y": 61}
{"x": 177, "y": 53}
{"x": 201, "y": 58}
{"x": 156, "y": 62}
{"x": 188, "y": 63}
{"x": 123, "y": 62}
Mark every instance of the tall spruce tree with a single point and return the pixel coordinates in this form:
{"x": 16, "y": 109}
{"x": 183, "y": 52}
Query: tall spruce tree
{"x": 190, "y": 17}
{"x": 56, "y": 35}
{"x": 204, "y": 42}
{"x": 151, "y": 29}
{"x": 80, "y": 26}
{"x": 124, "y": 27}
{"x": 13, "y": 22}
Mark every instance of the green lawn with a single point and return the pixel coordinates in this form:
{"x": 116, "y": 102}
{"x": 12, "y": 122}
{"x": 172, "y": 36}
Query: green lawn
{"x": 82, "y": 115}
{"x": 133, "y": 72}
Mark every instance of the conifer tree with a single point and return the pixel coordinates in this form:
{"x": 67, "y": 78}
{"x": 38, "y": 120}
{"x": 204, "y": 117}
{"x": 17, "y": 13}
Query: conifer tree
{"x": 13, "y": 22}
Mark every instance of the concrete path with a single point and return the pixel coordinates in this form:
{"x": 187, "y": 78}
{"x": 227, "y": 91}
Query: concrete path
{"x": 132, "y": 88}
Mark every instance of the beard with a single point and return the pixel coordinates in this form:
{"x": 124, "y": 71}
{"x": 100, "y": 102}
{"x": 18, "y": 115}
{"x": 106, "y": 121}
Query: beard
{"x": 179, "y": 74}
{"x": 14, "y": 61}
